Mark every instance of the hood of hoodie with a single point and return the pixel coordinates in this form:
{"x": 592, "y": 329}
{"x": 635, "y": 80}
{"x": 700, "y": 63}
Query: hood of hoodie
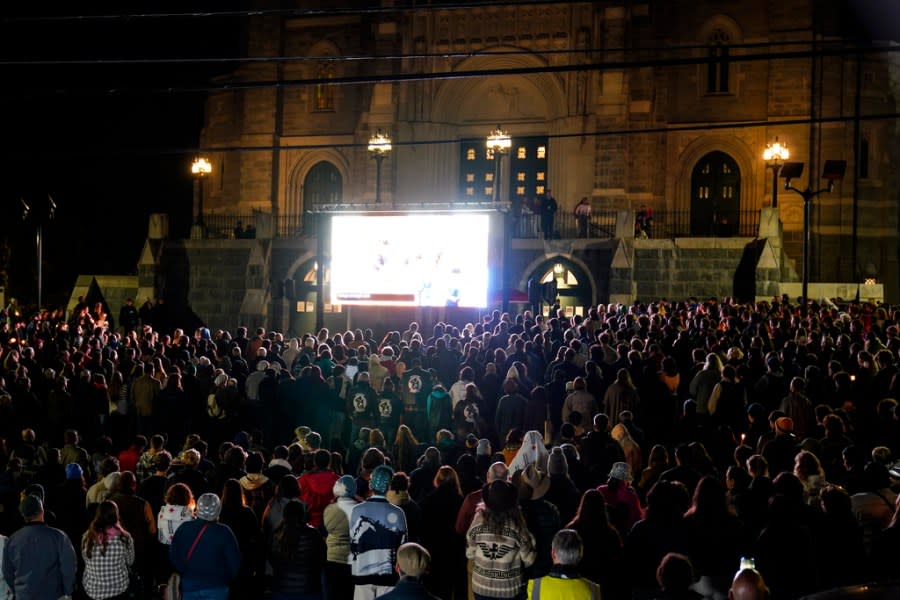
{"x": 320, "y": 483}
{"x": 252, "y": 481}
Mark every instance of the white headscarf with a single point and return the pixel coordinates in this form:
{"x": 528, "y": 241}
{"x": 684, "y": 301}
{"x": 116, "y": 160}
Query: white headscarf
{"x": 532, "y": 451}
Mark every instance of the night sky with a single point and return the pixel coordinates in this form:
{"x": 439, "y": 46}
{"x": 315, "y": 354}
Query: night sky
{"x": 108, "y": 159}
{"x": 107, "y": 147}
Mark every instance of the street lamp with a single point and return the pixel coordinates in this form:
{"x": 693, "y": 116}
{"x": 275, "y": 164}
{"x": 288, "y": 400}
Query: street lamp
{"x": 775, "y": 154}
{"x": 499, "y": 143}
{"x": 200, "y": 168}
{"x": 40, "y": 217}
{"x": 832, "y": 171}
{"x": 379, "y": 147}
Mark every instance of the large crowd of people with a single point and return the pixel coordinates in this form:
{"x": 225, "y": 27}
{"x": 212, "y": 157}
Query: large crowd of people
{"x": 646, "y": 451}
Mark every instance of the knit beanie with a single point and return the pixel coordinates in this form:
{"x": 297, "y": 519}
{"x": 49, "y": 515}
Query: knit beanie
{"x": 483, "y": 448}
{"x": 344, "y": 487}
{"x": 381, "y": 479}
{"x": 557, "y": 463}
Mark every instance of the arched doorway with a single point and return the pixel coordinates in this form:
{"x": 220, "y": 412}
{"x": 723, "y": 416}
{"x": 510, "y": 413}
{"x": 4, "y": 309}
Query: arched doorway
{"x": 304, "y": 291}
{"x": 322, "y": 185}
{"x": 573, "y": 285}
{"x": 715, "y": 196}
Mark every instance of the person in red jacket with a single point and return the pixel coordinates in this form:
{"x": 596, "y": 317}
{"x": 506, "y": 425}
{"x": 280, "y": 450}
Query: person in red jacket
{"x": 316, "y": 487}
{"x": 129, "y": 457}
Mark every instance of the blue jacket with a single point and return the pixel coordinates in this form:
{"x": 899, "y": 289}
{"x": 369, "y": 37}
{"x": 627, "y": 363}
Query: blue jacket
{"x": 408, "y": 588}
{"x": 39, "y": 562}
{"x": 215, "y": 561}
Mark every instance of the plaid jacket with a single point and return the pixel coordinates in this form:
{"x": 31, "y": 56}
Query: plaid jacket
{"x": 106, "y": 570}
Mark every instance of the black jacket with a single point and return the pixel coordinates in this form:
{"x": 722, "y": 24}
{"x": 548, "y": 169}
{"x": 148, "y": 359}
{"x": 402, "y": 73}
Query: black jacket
{"x": 301, "y": 573}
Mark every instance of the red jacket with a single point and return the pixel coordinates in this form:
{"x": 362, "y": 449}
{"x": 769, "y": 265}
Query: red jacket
{"x": 316, "y": 490}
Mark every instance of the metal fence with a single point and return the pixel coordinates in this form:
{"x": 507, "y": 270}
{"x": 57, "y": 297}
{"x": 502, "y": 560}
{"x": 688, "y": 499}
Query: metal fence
{"x": 678, "y": 223}
{"x": 600, "y": 225}
{"x": 225, "y": 226}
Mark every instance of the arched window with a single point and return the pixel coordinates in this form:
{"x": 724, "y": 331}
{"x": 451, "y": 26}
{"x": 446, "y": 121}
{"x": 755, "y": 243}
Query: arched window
{"x": 322, "y": 185}
{"x": 717, "y": 68}
{"x": 324, "y": 92}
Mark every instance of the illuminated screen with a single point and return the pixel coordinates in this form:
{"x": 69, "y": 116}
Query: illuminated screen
{"x": 410, "y": 260}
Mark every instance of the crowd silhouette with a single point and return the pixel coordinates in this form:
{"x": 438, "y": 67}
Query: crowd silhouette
{"x": 647, "y": 451}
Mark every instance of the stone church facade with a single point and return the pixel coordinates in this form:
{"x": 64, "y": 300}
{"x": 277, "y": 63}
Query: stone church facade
{"x": 667, "y": 104}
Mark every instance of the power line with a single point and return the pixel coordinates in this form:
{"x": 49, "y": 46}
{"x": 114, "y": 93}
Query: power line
{"x": 287, "y": 12}
{"x": 665, "y": 129}
{"x": 448, "y": 75}
{"x": 390, "y": 57}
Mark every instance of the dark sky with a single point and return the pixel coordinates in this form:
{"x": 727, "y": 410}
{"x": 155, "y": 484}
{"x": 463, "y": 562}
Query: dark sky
{"x": 108, "y": 159}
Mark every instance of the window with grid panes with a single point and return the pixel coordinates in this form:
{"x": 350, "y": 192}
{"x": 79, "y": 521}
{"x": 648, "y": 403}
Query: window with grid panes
{"x": 526, "y": 164}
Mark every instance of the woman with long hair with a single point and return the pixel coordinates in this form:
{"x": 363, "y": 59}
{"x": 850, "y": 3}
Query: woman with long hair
{"x": 601, "y": 561}
{"x": 245, "y": 525}
{"x": 297, "y": 556}
{"x": 439, "y": 509}
{"x": 499, "y": 523}
{"x": 716, "y": 539}
{"x": 108, "y": 552}
{"x": 406, "y": 449}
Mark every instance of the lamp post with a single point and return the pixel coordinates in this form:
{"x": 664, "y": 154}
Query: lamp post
{"x": 379, "y": 147}
{"x": 499, "y": 143}
{"x": 39, "y": 218}
{"x": 774, "y": 155}
{"x": 200, "y": 168}
{"x": 832, "y": 171}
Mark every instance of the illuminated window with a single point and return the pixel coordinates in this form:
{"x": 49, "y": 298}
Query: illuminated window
{"x": 324, "y": 93}
{"x": 539, "y": 190}
{"x": 478, "y": 179}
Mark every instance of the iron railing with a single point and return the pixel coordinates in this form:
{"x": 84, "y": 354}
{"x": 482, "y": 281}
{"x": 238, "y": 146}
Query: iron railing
{"x": 601, "y": 225}
{"x": 225, "y": 226}
{"x": 678, "y": 223}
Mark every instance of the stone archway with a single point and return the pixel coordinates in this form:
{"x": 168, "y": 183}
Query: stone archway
{"x": 295, "y": 195}
{"x": 575, "y": 285}
{"x": 537, "y": 97}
